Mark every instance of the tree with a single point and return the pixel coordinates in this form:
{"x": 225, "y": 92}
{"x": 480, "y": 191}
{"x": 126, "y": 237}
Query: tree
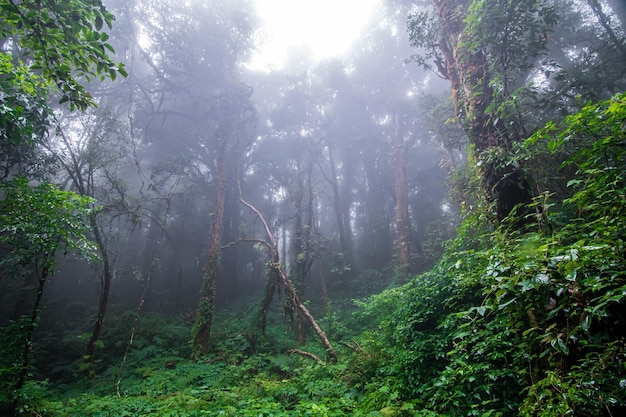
{"x": 24, "y": 111}
{"x": 206, "y": 307}
{"x": 277, "y": 276}
{"x": 89, "y": 147}
{"x": 190, "y": 113}
{"x": 512, "y": 68}
{"x": 36, "y": 223}
{"x": 46, "y": 47}
{"x": 403, "y": 222}
{"x": 484, "y": 64}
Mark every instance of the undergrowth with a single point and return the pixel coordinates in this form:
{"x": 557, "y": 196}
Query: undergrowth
{"x": 511, "y": 321}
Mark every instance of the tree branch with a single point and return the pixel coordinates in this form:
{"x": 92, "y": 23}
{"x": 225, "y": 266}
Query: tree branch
{"x": 305, "y": 354}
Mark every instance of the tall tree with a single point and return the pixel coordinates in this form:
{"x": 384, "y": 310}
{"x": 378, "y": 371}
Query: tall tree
{"x": 483, "y": 64}
{"x": 206, "y": 307}
{"x": 234, "y": 123}
{"x": 512, "y": 68}
{"x": 46, "y": 47}
{"x": 403, "y": 222}
{"x": 190, "y": 112}
{"x": 89, "y": 148}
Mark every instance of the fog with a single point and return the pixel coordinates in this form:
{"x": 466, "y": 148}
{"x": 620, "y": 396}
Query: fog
{"x": 210, "y": 164}
{"x": 312, "y": 146}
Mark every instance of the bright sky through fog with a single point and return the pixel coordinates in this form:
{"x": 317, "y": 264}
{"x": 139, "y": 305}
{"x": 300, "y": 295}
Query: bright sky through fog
{"x": 325, "y": 27}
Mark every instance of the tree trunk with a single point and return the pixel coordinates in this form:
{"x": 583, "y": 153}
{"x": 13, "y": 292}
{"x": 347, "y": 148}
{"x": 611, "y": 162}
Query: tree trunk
{"x": 299, "y": 258}
{"x": 619, "y": 9}
{"x": 403, "y": 224}
{"x": 344, "y": 242}
{"x": 229, "y": 288}
{"x": 206, "y": 306}
{"x": 378, "y": 243}
{"x": 107, "y": 277}
{"x": 348, "y": 169}
{"x": 28, "y": 342}
{"x": 291, "y": 292}
{"x": 505, "y": 184}
{"x": 260, "y": 323}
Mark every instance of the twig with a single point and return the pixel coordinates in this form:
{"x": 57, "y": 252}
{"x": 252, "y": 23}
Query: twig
{"x": 118, "y": 374}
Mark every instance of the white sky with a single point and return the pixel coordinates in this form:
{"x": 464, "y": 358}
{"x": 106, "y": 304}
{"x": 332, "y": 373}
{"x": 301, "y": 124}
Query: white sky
{"x": 325, "y": 27}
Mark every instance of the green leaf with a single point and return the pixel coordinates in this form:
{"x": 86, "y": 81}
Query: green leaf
{"x": 574, "y": 182}
{"x": 560, "y": 345}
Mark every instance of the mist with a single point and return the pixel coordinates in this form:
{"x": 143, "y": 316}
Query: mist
{"x": 240, "y": 214}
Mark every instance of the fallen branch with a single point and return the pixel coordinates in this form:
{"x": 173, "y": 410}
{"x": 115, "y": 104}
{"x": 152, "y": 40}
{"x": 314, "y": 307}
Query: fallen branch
{"x": 305, "y": 354}
{"x": 276, "y": 267}
{"x": 243, "y": 239}
{"x": 355, "y": 347}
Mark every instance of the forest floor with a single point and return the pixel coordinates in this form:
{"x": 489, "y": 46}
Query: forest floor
{"x": 159, "y": 379}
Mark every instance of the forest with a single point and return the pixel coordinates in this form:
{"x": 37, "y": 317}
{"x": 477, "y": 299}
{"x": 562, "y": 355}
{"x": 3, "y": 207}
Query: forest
{"x": 431, "y": 224}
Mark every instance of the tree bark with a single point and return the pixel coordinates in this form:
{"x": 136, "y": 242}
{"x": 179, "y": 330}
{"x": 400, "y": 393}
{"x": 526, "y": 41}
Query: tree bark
{"x": 231, "y": 266}
{"x": 206, "y": 306}
{"x": 619, "y": 9}
{"x": 342, "y": 227}
{"x": 260, "y": 322}
{"x": 377, "y": 249}
{"x": 348, "y": 175}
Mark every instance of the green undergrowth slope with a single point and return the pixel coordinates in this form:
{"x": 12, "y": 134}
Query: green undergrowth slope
{"x": 523, "y": 320}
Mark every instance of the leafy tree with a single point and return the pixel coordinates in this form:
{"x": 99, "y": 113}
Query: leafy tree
{"x": 24, "y": 111}
{"x": 45, "y": 46}
{"x": 484, "y": 49}
{"x": 89, "y": 147}
{"x": 35, "y": 224}
{"x": 512, "y": 68}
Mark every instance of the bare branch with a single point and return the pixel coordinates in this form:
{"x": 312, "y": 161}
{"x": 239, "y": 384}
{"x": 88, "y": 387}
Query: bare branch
{"x": 243, "y": 239}
{"x": 305, "y": 354}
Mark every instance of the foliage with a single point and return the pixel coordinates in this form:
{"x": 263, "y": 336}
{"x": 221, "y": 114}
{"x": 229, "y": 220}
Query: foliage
{"x": 23, "y": 110}
{"x": 11, "y": 346}
{"x": 510, "y": 322}
{"x": 522, "y": 321}
{"x": 37, "y": 221}
{"x": 63, "y": 41}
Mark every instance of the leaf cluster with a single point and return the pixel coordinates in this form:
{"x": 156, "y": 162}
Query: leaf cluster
{"x": 35, "y": 222}
{"x": 62, "y": 41}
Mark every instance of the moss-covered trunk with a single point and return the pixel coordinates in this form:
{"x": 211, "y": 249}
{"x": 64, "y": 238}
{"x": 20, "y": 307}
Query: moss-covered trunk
{"x": 467, "y": 67}
{"x": 206, "y": 306}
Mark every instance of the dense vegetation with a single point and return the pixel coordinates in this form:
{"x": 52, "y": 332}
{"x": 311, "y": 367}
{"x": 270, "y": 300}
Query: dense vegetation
{"x": 361, "y": 243}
